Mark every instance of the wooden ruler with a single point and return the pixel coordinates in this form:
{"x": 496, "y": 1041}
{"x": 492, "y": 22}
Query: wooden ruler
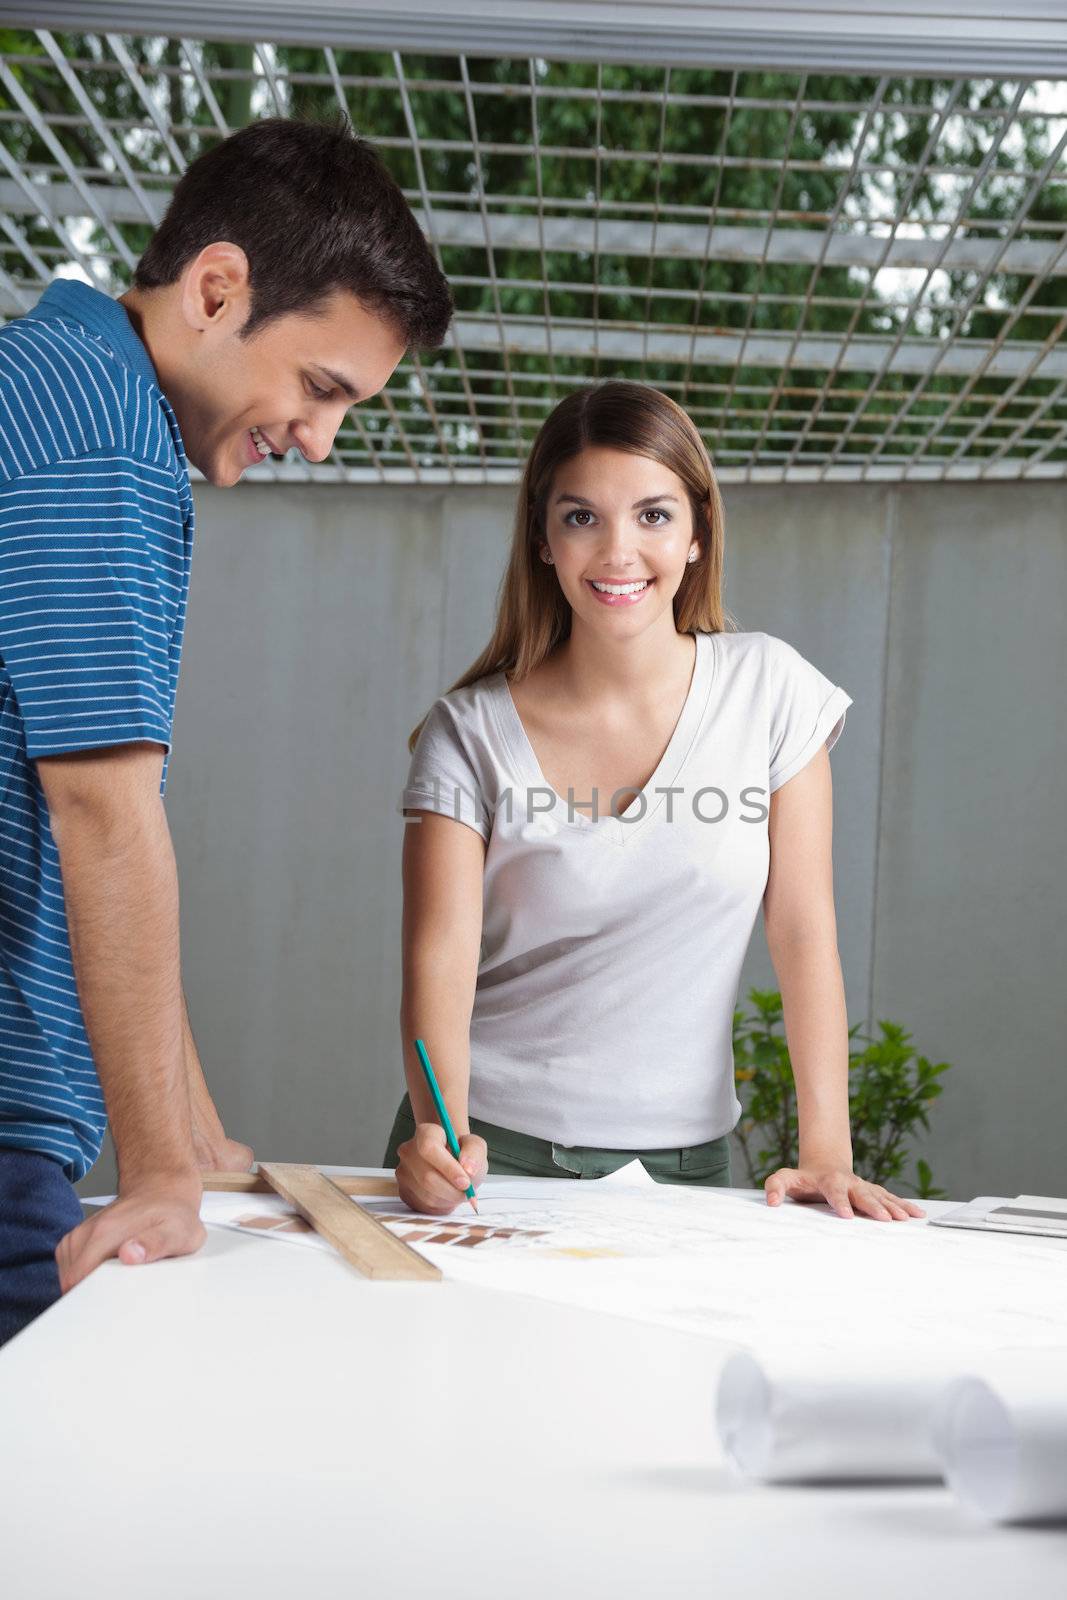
{"x": 252, "y": 1183}
{"x": 353, "y": 1232}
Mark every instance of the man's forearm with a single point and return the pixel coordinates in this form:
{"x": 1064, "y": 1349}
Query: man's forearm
{"x": 214, "y": 1152}
{"x": 121, "y": 891}
{"x": 209, "y": 1136}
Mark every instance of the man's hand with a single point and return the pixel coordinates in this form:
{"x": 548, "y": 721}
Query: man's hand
{"x": 120, "y": 888}
{"x": 157, "y": 1218}
{"x": 223, "y": 1155}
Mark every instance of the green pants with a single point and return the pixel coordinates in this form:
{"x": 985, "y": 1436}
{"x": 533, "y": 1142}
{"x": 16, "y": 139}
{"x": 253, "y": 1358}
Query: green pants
{"x": 520, "y": 1155}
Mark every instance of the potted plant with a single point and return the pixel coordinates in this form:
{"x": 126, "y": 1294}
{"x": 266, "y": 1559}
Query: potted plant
{"x": 890, "y": 1089}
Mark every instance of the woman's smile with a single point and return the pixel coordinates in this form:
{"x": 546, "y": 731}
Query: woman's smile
{"x": 619, "y": 594}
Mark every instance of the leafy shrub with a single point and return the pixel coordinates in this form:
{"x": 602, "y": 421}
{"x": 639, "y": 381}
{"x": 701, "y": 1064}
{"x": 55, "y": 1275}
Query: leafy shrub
{"x": 890, "y": 1089}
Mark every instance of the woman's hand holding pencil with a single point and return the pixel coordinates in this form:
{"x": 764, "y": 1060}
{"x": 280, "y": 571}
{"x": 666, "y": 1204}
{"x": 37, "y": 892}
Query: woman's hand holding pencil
{"x": 436, "y": 1163}
{"x": 429, "y": 1178}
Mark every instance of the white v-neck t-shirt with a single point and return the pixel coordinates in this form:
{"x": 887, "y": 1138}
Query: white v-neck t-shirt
{"x": 612, "y": 948}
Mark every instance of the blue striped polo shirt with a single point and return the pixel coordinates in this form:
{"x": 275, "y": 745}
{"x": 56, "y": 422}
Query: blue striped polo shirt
{"x": 96, "y": 529}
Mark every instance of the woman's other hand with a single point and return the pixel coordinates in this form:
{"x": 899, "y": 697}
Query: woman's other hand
{"x": 842, "y": 1189}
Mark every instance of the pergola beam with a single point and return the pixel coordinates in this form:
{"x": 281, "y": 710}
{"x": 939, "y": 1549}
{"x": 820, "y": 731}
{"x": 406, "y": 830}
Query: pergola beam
{"x": 581, "y": 236}
{"x": 821, "y": 352}
{"x": 857, "y": 472}
{"x": 976, "y": 37}
{"x": 629, "y": 346}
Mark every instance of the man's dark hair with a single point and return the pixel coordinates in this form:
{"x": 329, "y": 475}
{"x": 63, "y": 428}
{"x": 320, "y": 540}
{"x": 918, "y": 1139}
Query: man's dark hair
{"x": 314, "y": 209}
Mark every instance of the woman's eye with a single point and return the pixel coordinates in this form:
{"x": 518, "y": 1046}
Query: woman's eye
{"x": 573, "y": 515}
{"x": 661, "y": 516}
{"x": 317, "y": 392}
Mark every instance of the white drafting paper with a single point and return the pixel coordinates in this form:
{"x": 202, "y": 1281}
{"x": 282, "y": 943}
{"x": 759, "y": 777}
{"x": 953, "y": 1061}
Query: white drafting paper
{"x": 844, "y": 1333}
{"x": 496, "y": 1223}
{"x": 792, "y": 1278}
{"x": 862, "y": 1415}
{"x": 1002, "y": 1437}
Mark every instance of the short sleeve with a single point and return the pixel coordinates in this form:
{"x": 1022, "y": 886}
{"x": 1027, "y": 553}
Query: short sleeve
{"x": 806, "y": 711}
{"x": 443, "y": 775}
{"x": 85, "y": 617}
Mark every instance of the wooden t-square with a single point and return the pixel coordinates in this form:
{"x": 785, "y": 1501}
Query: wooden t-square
{"x": 325, "y": 1204}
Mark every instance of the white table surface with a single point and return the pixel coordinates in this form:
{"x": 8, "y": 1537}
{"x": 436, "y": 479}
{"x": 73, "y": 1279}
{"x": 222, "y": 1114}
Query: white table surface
{"x": 259, "y": 1415}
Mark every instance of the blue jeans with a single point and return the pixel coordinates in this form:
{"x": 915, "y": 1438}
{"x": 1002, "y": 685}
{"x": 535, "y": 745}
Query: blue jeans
{"x": 38, "y": 1206}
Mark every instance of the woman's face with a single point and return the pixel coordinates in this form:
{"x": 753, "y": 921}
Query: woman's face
{"x": 619, "y": 529}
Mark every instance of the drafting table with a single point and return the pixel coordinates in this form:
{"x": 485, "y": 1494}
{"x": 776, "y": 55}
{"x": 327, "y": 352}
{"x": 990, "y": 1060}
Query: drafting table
{"x": 259, "y": 1419}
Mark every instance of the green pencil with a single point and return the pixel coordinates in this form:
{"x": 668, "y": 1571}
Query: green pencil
{"x": 442, "y": 1112}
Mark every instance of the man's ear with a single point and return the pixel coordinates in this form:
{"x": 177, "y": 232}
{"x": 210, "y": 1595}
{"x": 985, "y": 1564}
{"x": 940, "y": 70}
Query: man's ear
{"x": 216, "y": 292}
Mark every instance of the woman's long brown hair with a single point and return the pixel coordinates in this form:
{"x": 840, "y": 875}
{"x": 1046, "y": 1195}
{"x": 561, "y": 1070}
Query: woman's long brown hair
{"x": 533, "y": 614}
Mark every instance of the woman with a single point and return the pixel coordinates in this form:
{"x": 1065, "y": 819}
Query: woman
{"x": 597, "y": 809}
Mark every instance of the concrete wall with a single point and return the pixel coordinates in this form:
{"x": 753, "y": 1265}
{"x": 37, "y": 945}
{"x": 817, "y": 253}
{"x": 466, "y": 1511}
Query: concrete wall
{"x": 324, "y": 620}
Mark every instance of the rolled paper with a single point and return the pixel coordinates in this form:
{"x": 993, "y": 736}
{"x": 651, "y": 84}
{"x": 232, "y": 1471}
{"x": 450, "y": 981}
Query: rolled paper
{"x": 1001, "y": 1436}
{"x": 821, "y": 1417}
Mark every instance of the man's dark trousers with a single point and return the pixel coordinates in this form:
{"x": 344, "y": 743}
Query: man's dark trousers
{"x": 38, "y": 1206}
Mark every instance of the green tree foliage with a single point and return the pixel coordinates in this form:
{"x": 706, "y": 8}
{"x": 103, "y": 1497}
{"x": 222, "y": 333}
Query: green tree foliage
{"x": 631, "y": 145}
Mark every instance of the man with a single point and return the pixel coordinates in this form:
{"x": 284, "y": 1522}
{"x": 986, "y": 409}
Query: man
{"x": 284, "y": 284}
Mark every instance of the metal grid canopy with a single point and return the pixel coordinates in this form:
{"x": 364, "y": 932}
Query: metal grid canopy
{"x": 838, "y": 277}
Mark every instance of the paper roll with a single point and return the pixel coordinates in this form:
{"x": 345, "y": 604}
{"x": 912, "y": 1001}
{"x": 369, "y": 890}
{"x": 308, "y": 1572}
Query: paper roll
{"x": 1002, "y": 1437}
{"x": 820, "y": 1417}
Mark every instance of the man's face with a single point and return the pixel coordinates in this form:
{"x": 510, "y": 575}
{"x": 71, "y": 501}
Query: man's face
{"x": 286, "y": 386}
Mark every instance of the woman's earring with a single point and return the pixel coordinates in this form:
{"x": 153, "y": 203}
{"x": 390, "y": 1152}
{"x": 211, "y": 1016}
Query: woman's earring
{"x": 692, "y": 556}
{"x": 548, "y": 559}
